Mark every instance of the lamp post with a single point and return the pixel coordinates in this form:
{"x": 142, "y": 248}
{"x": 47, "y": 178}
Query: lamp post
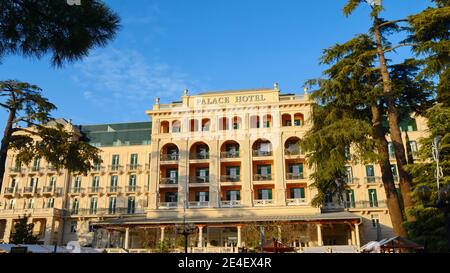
{"x": 185, "y": 229}
{"x": 443, "y": 198}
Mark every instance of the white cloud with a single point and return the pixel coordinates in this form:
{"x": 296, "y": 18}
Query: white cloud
{"x": 121, "y": 79}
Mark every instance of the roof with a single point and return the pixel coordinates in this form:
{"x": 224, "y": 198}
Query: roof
{"x": 235, "y": 91}
{"x": 399, "y": 242}
{"x": 234, "y": 219}
{"x": 118, "y": 134}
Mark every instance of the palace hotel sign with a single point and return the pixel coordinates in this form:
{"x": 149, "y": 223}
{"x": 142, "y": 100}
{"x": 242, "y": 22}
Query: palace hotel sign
{"x": 227, "y": 100}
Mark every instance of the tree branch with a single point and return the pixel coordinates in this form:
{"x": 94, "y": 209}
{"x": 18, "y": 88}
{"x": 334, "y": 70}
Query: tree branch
{"x": 392, "y": 22}
{"x": 5, "y": 105}
{"x": 397, "y": 46}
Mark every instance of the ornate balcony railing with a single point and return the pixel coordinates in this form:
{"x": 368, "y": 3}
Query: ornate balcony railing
{"x": 95, "y": 190}
{"x": 294, "y": 176}
{"x": 262, "y": 177}
{"x": 132, "y": 188}
{"x": 263, "y": 202}
{"x": 356, "y": 205}
{"x": 133, "y": 167}
{"x": 199, "y": 204}
{"x": 259, "y": 153}
{"x": 230, "y": 178}
{"x": 10, "y": 191}
{"x": 77, "y": 190}
{"x": 230, "y": 203}
{"x": 230, "y": 154}
{"x": 97, "y": 169}
{"x": 168, "y": 205}
{"x": 199, "y": 156}
{"x": 169, "y": 157}
{"x": 352, "y": 180}
{"x": 17, "y": 169}
{"x": 199, "y": 179}
{"x": 107, "y": 211}
{"x": 372, "y": 179}
{"x": 168, "y": 180}
{"x": 115, "y": 168}
{"x": 296, "y": 201}
{"x": 113, "y": 189}
{"x": 29, "y": 190}
{"x": 292, "y": 151}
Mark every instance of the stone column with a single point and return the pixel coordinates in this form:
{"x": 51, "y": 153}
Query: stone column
{"x": 353, "y": 237}
{"x": 49, "y": 227}
{"x": 8, "y": 229}
{"x": 154, "y": 175}
{"x": 278, "y": 162}
{"x": 239, "y": 236}
{"x": 127, "y": 238}
{"x": 161, "y": 238}
{"x": 319, "y": 235}
{"x": 358, "y": 242}
{"x": 200, "y": 236}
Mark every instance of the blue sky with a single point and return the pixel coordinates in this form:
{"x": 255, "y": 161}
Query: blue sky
{"x": 166, "y": 46}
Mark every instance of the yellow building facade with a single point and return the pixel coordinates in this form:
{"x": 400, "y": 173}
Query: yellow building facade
{"x": 223, "y": 163}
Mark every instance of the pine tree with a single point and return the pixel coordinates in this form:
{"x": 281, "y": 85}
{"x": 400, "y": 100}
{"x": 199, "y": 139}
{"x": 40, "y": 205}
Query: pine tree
{"x": 26, "y": 106}
{"x": 34, "y": 28}
{"x": 23, "y": 232}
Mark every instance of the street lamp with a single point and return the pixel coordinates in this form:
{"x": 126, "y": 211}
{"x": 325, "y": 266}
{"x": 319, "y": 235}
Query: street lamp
{"x": 185, "y": 229}
{"x": 443, "y": 197}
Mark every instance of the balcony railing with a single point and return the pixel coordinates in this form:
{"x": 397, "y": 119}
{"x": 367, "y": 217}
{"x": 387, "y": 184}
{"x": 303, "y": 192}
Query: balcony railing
{"x": 77, "y": 190}
{"x": 357, "y": 205}
{"x": 262, "y": 177}
{"x": 95, "y": 190}
{"x": 29, "y": 190}
{"x": 17, "y": 169}
{"x": 168, "y": 180}
{"x": 9, "y": 190}
{"x": 372, "y": 179}
{"x": 133, "y": 167}
{"x": 294, "y": 176}
{"x": 115, "y": 168}
{"x": 113, "y": 189}
{"x": 261, "y": 153}
{"x": 97, "y": 169}
{"x": 230, "y": 203}
{"x": 296, "y": 201}
{"x": 199, "y": 204}
{"x": 199, "y": 179}
{"x": 48, "y": 190}
{"x": 199, "y": 156}
{"x": 132, "y": 188}
{"x": 230, "y": 178}
{"x": 168, "y": 205}
{"x": 230, "y": 154}
{"x": 292, "y": 151}
{"x": 169, "y": 157}
{"x": 36, "y": 169}
{"x": 263, "y": 202}
{"x": 352, "y": 180}
{"x": 107, "y": 211}
{"x": 51, "y": 168}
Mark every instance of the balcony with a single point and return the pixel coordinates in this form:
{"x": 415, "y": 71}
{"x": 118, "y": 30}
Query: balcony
{"x": 262, "y": 177}
{"x": 263, "y": 202}
{"x": 230, "y": 204}
{"x": 372, "y": 179}
{"x": 115, "y": 168}
{"x": 376, "y": 204}
{"x": 199, "y": 156}
{"x": 199, "y": 179}
{"x": 17, "y": 170}
{"x": 296, "y": 202}
{"x": 199, "y": 204}
{"x": 169, "y": 157}
{"x": 36, "y": 212}
{"x": 77, "y": 191}
{"x": 168, "y": 180}
{"x": 48, "y": 190}
{"x": 10, "y": 191}
{"x": 294, "y": 176}
{"x": 51, "y": 169}
{"x": 260, "y": 153}
{"x": 230, "y": 154}
{"x": 132, "y": 189}
{"x": 230, "y": 178}
{"x": 98, "y": 169}
{"x": 95, "y": 190}
{"x": 107, "y": 211}
{"x": 113, "y": 190}
{"x": 133, "y": 167}
{"x": 291, "y": 152}
{"x": 168, "y": 205}
{"x": 29, "y": 190}
{"x": 352, "y": 180}
{"x": 36, "y": 169}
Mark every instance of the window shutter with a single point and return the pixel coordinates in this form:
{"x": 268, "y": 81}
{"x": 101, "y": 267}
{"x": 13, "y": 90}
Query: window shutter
{"x": 270, "y": 194}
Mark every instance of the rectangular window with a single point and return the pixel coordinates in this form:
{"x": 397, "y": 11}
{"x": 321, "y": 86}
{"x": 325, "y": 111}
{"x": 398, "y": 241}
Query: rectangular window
{"x": 52, "y": 182}
{"x": 93, "y": 206}
{"x": 233, "y": 172}
{"x": 298, "y": 122}
{"x": 95, "y": 182}
{"x": 50, "y": 202}
{"x": 13, "y": 183}
{"x": 297, "y": 193}
{"x": 349, "y": 173}
{"x": 171, "y": 197}
{"x": 233, "y": 195}
{"x": 113, "y": 184}
{"x": 115, "y": 162}
{"x": 370, "y": 173}
{"x": 134, "y": 160}
{"x": 391, "y": 150}
{"x": 77, "y": 182}
{"x": 34, "y": 182}
{"x": 131, "y": 205}
{"x": 73, "y": 227}
{"x": 202, "y": 196}
{"x": 375, "y": 220}
{"x": 132, "y": 183}
{"x": 373, "y": 200}
{"x": 350, "y": 198}
{"x": 36, "y": 163}
{"x": 112, "y": 205}
{"x": 394, "y": 169}
{"x": 173, "y": 176}
{"x": 265, "y": 194}
{"x": 296, "y": 170}
{"x": 75, "y": 206}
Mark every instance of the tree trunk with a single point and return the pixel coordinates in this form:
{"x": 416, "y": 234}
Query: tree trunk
{"x": 5, "y": 143}
{"x": 393, "y": 202}
{"x": 394, "y": 128}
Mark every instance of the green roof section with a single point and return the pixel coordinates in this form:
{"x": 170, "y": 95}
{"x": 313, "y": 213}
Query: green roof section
{"x": 118, "y": 134}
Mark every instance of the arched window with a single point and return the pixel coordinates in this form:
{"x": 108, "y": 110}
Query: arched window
{"x": 299, "y": 119}
{"x": 193, "y": 125}
{"x": 254, "y": 122}
{"x": 286, "y": 120}
{"x": 164, "y": 128}
{"x": 176, "y": 126}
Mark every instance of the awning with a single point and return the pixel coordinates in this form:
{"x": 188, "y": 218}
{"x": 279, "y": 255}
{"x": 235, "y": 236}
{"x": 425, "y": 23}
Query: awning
{"x": 332, "y": 216}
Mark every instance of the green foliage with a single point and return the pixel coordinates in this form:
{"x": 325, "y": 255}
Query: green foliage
{"x": 352, "y": 5}
{"x": 23, "y": 232}
{"x": 429, "y": 227}
{"x": 163, "y": 246}
{"x": 35, "y": 28}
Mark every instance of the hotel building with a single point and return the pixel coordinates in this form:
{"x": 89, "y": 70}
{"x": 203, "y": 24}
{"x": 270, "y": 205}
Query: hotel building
{"x": 222, "y": 162}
